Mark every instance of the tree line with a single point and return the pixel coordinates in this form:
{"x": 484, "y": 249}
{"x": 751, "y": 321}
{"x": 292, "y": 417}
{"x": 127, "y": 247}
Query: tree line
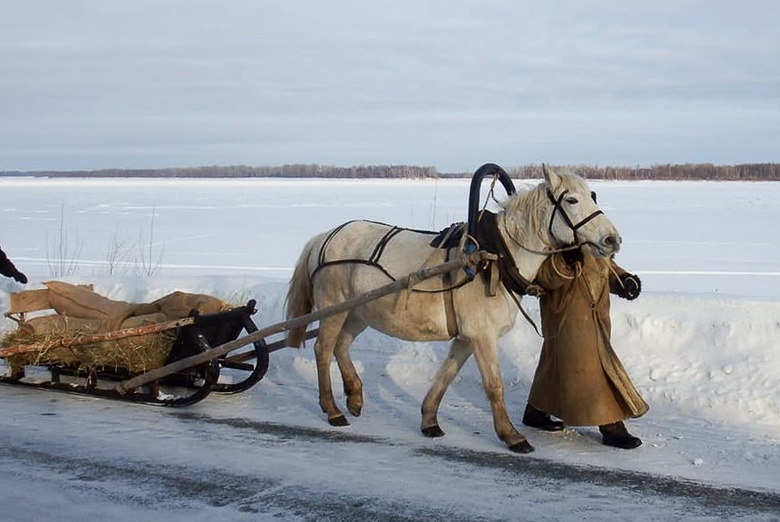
{"x": 246, "y": 171}
{"x": 685, "y": 171}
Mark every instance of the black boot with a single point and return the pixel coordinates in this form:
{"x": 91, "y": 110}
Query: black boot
{"x": 540, "y": 420}
{"x": 617, "y": 435}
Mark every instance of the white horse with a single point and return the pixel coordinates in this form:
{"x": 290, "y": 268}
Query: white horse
{"x": 360, "y": 256}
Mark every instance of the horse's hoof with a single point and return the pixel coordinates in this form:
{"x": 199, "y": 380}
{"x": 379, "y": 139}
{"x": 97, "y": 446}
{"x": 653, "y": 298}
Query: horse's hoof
{"x": 433, "y": 431}
{"x": 522, "y": 447}
{"x": 339, "y": 420}
{"x": 355, "y": 409}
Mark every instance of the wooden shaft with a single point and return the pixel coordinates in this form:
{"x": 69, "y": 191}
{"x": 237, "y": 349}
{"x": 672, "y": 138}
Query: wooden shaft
{"x": 408, "y": 281}
{"x": 95, "y": 338}
{"x": 270, "y": 347}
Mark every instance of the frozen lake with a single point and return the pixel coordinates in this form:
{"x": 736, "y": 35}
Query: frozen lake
{"x": 698, "y": 237}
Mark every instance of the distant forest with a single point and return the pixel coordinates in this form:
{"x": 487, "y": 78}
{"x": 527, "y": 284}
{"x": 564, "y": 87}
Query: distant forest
{"x": 686, "y": 171}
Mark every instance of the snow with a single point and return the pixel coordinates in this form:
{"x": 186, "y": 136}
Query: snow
{"x": 700, "y": 345}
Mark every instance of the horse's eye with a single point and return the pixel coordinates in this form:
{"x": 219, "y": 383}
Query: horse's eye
{"x": 571, "y": 200}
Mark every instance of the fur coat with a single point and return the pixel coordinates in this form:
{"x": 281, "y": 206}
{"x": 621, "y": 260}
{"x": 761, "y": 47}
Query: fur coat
{"x": 8, "y": 269}
{"x": 580, "y": 378}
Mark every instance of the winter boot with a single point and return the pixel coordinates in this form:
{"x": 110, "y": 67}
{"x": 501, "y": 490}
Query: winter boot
{"x": 617, "y": 435}
{"x": 540, "y": 420}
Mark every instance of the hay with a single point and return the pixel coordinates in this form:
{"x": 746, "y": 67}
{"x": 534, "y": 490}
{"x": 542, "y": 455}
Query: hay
{"x": 136, "y": 354}
{"x": 81, "y": 311}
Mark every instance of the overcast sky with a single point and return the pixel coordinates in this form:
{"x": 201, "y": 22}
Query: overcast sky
{"x": 451, "y": 84}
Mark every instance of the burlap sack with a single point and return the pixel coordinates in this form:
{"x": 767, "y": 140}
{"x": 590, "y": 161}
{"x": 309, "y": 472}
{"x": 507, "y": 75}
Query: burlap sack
{"x": 62, "y": 326}
{"x": 81, "y": 311}
{"x": 77, "y": 301}
{"x": 180, "y": 304}
{"x": 143, "y": 320}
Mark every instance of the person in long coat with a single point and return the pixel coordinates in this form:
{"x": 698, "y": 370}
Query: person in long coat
{"x": 8, "y": 269}
{"x": 580, "y": 378}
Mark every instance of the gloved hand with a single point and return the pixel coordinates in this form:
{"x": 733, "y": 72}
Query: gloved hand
{"x": 534, "y": 290}
{"x": 630, "y": 286}
{"x": 20, "y": 277}
{"x": 572, "y": 256}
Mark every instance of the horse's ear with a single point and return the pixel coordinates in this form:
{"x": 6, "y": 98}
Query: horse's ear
{"x": 551, "y": 177}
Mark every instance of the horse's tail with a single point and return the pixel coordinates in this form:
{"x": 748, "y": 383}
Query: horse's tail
{"x": 299, "y": 296}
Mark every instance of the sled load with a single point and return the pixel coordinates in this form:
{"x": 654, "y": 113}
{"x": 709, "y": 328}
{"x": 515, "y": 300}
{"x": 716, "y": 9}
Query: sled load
{"x": 69, "y": 337}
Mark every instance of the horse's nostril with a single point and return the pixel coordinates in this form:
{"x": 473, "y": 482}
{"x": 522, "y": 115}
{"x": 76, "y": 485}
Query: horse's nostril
{"x": 612, "y": 242}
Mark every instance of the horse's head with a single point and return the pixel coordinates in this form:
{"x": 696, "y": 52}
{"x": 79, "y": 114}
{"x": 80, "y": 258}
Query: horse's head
{"x": 575, "y": 218}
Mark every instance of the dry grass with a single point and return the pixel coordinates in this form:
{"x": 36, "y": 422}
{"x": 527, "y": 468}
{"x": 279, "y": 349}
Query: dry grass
{"x": 135, "y": 354}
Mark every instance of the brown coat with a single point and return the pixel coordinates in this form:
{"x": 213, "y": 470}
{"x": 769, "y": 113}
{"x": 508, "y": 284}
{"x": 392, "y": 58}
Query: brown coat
{"x": 580, "y": 378}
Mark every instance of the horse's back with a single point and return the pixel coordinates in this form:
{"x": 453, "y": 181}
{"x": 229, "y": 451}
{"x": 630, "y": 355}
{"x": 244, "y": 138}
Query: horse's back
{"x": 359, "y": 244}
{"x": 361, "y": 256}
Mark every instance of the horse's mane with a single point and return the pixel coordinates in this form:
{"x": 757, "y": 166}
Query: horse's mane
{"x": 528, "y": 206}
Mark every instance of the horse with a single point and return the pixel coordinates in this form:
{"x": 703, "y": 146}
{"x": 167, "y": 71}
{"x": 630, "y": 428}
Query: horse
{"x": 359, "y": 256}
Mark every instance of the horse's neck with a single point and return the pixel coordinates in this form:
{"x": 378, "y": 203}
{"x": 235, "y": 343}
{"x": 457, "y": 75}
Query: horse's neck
{"x": 524, "y": 245}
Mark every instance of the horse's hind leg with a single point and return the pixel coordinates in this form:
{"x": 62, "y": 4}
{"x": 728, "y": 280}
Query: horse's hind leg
{"x": 459, "y": 354}
{"x": 353, "y": 386}
{"x": 329, "y": 330}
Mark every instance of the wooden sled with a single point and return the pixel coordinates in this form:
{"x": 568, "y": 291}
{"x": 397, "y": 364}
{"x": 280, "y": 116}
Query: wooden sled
{"x": 229, "y": 373}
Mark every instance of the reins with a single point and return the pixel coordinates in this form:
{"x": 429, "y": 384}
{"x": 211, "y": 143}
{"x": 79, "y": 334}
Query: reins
{"x": 546, "y": 252}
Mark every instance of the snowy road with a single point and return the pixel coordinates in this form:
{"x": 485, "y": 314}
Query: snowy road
{"x": 74, "y": 458}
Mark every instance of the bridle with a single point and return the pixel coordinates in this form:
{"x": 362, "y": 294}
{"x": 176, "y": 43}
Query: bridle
{"x": 557, "y": 207}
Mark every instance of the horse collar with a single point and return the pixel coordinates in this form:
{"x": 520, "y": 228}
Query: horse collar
{"x": 490, "y": 238}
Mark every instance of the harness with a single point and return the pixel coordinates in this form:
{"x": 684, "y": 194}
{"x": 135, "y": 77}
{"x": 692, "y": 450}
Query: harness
{"x": 374, "y": 260}
{"x": 504, "y": 269}
{"x": 490, "y": 239}
{"x": 376, "y": 255}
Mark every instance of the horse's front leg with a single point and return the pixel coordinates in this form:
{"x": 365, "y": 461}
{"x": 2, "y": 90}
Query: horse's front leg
{"x": 460, "y": 351}
{"x": 329, "y": 329}
{"x": 486, "y": 355}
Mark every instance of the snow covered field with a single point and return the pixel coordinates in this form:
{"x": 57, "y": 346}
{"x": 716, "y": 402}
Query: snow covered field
{"x": 701, "y": 345}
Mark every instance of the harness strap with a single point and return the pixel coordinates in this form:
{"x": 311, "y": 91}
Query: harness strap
{"x": 558, "y": 208}
{"x": 527, "y": 317}
{"x": 372, "y": 261}
{"x": 376, "y": 255}
{"x": 490, "y": 239}
{"x": 449, "y": 304}
{"x": 324, "y": 264}
{"x": 380, "y": 246}
{"x": 328, "y": 240}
